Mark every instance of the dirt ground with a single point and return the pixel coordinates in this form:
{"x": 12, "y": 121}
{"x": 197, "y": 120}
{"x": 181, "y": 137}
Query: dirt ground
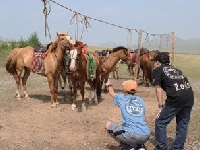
{"x": 33, "y": 125}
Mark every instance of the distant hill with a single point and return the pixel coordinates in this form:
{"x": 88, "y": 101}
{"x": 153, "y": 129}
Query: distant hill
{"x": 191, "y": 46}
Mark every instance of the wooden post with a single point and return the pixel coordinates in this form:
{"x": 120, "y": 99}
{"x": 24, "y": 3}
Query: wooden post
{"x": 138, "y": 55}
{"x": 173, "y": 44}
{"x": 130, "y": 39}
{"x": 160, "y": 44}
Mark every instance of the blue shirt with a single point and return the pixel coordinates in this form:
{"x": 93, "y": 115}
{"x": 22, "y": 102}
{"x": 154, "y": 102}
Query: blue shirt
{"x": 133, "y": 113}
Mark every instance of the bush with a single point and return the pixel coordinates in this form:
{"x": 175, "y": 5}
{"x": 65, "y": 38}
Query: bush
{"x": 33, "y": 40}
{"x": 22, "y": 43}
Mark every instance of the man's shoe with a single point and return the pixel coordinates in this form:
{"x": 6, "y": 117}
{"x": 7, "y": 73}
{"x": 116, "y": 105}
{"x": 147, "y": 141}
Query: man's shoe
{"x": 140, "y": 147}
{"x": 126, "y": 146}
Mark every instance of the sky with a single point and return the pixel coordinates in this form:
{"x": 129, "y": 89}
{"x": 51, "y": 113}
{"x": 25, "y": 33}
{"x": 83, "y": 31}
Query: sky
{"x": 21, "y": 18}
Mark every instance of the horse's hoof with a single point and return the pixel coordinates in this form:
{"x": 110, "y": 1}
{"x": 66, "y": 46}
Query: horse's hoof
{"x": 73, "y": 106}
{"x": 53, "y": 105}
{"x": 96, "y": 102}
{"x": 90, "y": 101}
{"x": 84, "y": 108}
{"x": 57, "y": 103}
{"x": 27, "y": 97}
{"x": 17, "y": 96}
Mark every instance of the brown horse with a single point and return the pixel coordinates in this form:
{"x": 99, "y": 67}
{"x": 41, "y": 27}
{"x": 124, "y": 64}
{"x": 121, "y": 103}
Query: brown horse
{"x": 147, "y": 66}
{"x": 79, "y": 73}
{"x": 132, "y": 60}
{"x": 21, "y": 59}
{"x": 118, "y": 53}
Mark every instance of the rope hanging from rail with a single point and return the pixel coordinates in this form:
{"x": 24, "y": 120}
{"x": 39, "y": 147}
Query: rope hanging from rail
{"x": 84, "y": 21}
{"x": 86, "y": 24}
{"x": 46, "y": 12}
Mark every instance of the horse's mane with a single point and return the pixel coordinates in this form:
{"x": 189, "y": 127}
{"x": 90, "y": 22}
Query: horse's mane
{"x": 48, "y": 45}
{"x": 119, "y": 48}
{"x": 52, "y": 45}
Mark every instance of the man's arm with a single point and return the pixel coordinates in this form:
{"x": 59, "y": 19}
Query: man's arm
{"x": 159, "y": 94}
{"x": 110, "y": 89}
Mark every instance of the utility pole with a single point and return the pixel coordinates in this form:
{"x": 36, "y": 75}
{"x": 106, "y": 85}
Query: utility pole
{"x": 173, "y": 44}
{"x": 138, "y": 55}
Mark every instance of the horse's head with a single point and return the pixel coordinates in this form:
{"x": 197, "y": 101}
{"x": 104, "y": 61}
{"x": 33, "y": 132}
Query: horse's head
{"x": 144, "y": 51}
{"x": 123, "y": 53}
{"x": 76, "y": 55}
{"x": 65, "y": 40}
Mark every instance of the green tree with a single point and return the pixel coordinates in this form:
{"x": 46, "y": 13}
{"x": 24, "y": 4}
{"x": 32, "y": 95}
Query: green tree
{"x": 33, "y": 40}
{"x": 22, "y": 43}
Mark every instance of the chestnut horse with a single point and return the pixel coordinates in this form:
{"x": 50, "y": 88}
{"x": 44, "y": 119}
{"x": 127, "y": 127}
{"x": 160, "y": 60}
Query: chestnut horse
{"x": 147, "y": 66}
{"x": 21, "y": 59}
{"x": 79, "y": 73}
{"x": 118, "y": 53}
{"x": 132, "y": 60}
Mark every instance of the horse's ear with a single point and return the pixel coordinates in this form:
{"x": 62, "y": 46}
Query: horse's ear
{"x": 57, "y": 33}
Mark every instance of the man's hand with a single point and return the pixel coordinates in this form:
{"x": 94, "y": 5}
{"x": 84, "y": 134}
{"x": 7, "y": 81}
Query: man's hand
{"x": 158, "y": 114}
{"x": 110, "y": 89}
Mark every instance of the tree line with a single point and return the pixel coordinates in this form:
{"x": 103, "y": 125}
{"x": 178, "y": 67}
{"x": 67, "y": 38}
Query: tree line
{"x": 32, "y": 40}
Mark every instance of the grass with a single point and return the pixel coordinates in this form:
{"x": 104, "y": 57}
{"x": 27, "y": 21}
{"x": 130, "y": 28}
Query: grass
{"x": 188, "y": 64}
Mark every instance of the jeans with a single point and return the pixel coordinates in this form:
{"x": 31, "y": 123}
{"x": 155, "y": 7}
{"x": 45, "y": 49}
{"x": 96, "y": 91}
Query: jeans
{"x": 126, "y": 137}
{"x": 182, "y": 119}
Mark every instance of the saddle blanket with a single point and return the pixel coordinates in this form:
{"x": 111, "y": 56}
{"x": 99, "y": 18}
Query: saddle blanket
{"x": 37, "y": 60}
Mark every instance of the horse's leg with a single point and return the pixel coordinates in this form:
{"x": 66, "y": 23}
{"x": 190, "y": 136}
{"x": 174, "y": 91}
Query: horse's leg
{"x": 24, "y": 80}
{"x": 145, "y": 77}
{"x": 138, "y": 72}
{"x": 129, "y": 71}
{"x": 132, "y": 70}
{"x": 17, "y": 79}
{"x": 117, "y": 74}
{"x": 74, "y": 94}
{"x": 60, "y": 83}
{"x": 97, "y": 89}
{"x": 64, "y": 78}
{"x": 90, "y": 91}
{"x": 70, "y": 86}
{"x": 50, "y": 81}
{"x": 105, "y": 81}
{"x": 55, "y": 85}
{"x": 82, "y": 86}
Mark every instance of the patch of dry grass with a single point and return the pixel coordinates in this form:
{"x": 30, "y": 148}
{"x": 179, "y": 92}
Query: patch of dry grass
{"x": 189, "y": 64}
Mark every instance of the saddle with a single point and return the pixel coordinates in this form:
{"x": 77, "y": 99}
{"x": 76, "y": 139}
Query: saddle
{"x": 104, "y": 52}
{"x": 40, "y": 49}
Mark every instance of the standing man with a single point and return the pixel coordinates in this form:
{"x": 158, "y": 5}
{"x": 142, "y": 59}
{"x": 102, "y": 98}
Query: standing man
{"x": 134, "y": 129}
{"x": 179, "y": 102}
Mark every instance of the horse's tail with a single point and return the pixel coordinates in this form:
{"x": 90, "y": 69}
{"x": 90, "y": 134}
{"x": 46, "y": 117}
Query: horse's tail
{"x": 11, "y": 61}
